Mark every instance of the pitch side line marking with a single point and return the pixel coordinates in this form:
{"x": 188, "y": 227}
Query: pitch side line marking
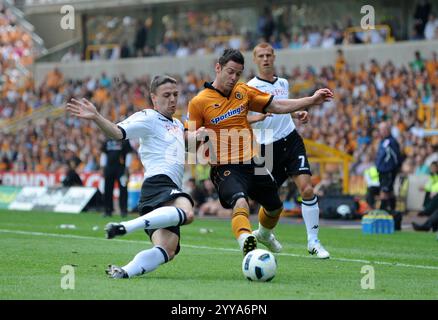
{"x": 71, "y": 236}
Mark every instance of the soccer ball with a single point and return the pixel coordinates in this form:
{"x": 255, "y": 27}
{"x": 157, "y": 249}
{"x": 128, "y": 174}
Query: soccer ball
{"x": 343, "y": 210}
{"x": 259, "y": 265}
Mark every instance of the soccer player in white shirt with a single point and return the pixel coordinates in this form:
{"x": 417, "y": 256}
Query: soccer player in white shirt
{"x": 163, "y": 206}
{"x": 289, "y": 153}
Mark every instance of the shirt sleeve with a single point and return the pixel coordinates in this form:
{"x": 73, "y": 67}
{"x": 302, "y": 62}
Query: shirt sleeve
{"x": 195, "y": 120}
{"x": 127, "y": 148}
{"x": 139, "y": 125}
{"x": 258, "y": 100}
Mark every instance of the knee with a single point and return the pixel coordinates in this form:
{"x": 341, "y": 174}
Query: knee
{"x": 190, "y": 216}
{"x": 241, "y": 203}
{"x": 171, "y": 247}
{"x": 186, "y": 206}
{"x": 171, "y": 252}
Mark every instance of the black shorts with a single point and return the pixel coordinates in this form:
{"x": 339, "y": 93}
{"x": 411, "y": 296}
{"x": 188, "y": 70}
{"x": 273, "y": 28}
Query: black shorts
{"x": 288, "y": 156}
{"x": 387, "y": 180}
{"x": 155, "y": 192}
{"x": 234, "y": 181}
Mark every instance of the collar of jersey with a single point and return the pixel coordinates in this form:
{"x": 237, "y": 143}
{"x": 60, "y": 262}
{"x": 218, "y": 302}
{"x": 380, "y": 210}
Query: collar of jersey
{"x": 271, "y": 82}
{"x": 209, "y": 85}
{"x": 170, "y": 119}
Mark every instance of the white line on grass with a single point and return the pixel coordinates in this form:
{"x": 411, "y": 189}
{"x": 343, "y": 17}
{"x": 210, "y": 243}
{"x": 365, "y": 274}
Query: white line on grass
{"x": 71, "y": 236}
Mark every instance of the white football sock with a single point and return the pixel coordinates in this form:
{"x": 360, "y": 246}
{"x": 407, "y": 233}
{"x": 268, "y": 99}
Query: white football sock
{"x": 242, "y": 238}
{"x": 146, "y": 261}
{"x": 159, "y": 218}
{"x": 310, "y": 212}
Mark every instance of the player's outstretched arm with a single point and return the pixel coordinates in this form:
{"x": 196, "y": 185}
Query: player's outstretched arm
{"x": 253, "y": 118}
{"x": 293, "y": 105}
{"x": 86, "y": 110}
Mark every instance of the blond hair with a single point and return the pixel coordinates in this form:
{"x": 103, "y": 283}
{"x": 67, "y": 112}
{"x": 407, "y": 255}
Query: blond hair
{"x": 263, "y": 45}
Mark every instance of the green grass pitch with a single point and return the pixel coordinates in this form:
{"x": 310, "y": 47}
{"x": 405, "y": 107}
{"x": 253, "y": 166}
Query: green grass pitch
{"x": 34, "y": 249}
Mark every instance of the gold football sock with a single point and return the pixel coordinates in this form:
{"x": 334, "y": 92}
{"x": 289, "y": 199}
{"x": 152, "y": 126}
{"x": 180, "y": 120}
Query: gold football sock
{"x": 240, "y": 222}
{"x": 266, "y": 220}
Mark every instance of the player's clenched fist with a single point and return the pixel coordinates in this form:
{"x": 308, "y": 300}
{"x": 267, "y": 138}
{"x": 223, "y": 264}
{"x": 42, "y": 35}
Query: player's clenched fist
{"x": 301, "y": 116}
{"x": 322, "y": 95}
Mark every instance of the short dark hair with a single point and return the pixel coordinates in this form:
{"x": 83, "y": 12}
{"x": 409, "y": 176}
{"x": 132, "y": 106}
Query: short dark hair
{"x": 159, "y": 81}
{"x": 231, "y": 55}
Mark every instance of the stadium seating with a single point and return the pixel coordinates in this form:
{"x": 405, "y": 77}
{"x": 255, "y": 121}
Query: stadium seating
{"x": 406, "y": 96}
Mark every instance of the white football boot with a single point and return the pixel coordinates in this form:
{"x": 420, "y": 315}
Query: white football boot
{"x": 270, "y": 242}
{"x": 116, "y": 272}
{"x": 316, "y": 248}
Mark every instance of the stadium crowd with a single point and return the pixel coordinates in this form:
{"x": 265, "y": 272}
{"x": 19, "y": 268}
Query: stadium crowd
{"x": 211, "y": 34}
{"x": 16, "y": 52}
{"x": 363, "y": 98}
{"x": 198, "y": 32}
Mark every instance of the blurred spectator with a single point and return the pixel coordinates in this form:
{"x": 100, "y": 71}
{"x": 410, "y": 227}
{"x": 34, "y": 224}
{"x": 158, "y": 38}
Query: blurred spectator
{"x": 70, "y": 155}
{"x": 141, "y": 37}
{"x": 115, "y": 160}
{"x": 266, "y": 25}
{"x": 430, "y": 223}
{"x": 54, "y": 79}
{"x": 373, "y": 185}
{"x": 91, "y": 164}
{"x": 431, "y": 184}
{"x": 340, "y": 61}
{"x": 125, "y": 52}
{"x": 327, "y": 40}
{"x": 420, "y": 167}
{"x": 115, "y": 53}
{"x": 431, "y": 28}
{"x": 208, "y": 200}
{"x": 433, "y": 155}
{"x": 198, "y": 193}
{"x": 72, "y": 178}
{"x": 388, "y": 163}
{"x": 71, "y": 56}
{"x": 190, "y": 186}
{"x": 430, "y": 203}
{"x": 328, "y": 186}
{"x": 421, "y": 15}
{"x": 5, "y": 164}
{"x": 418, "y": 64}
{"x": 105, "y": 82}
